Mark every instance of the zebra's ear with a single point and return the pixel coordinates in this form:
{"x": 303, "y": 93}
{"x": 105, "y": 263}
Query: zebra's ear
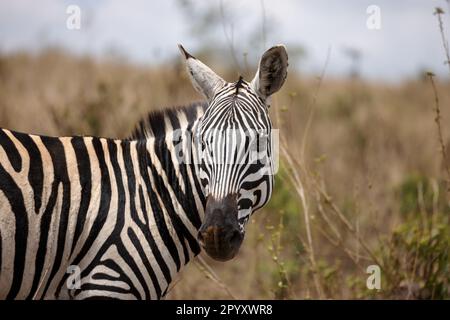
{"x": 272, "y": 71}
{"x": 204, "y": 80}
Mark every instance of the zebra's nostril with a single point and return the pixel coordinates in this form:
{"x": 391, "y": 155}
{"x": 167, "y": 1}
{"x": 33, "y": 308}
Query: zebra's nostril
{"x": 235, "y": 238}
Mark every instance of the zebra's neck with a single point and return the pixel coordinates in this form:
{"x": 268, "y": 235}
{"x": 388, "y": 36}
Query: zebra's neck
{"x": 163, "y": 203}
{"x": 169, "y": 172}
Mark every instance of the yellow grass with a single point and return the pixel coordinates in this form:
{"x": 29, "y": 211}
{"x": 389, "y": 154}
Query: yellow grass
{"x": 372, "y": 164}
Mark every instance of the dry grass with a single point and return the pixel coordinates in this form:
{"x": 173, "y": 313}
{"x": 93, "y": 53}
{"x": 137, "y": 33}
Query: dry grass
{"x": 370, "y": 173}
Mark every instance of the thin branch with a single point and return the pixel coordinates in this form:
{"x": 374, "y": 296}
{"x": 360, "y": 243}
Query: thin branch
{"x": 326, "y": 218}
{"x": 335, "y": 209}
{"x": 298, "y": 183}
{"x": 229, "y": 38}
{"x": 437, "y": 120}
{"x": 313, "y": 104}
{"x": 264, "y": 29}
{"x": 299, "y": 188}
{"x": 352, "y": 255}
{"x": 210, "y": 274}
{"x": 171, "y": 287}
{"x": 439, "y": 12}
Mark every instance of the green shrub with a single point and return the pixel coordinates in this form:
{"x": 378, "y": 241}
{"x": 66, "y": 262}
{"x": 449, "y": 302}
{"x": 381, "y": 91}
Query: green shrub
{"x": 416, "y": 260}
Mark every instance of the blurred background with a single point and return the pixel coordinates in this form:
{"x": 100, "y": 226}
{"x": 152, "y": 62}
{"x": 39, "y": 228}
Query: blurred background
{"x": 363, "y": 118}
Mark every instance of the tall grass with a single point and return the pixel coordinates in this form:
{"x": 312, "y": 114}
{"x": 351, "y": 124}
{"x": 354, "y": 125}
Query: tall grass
{"x": 362, "y": 177}
{"x": 369, "y": 175}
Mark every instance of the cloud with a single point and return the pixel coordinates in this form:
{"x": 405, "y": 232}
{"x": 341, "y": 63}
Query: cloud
{"x": 147, "y": 31}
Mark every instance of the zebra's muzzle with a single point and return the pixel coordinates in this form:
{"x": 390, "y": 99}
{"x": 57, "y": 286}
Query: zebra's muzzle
{"x": 220, "y": 235}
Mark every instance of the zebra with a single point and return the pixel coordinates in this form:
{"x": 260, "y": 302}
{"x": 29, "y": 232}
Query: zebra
{"x": 86, "y": 217}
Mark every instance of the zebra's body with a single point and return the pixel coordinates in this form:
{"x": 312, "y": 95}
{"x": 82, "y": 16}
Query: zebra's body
{"x": 119, "y": 210}
{"x": 126, "y": 215}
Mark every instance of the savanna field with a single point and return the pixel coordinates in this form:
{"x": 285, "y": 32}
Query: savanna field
{"x": 362, "y": 180}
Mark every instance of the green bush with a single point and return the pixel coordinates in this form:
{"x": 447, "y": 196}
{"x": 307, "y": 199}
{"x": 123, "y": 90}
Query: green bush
{"x": 416, "y": 260}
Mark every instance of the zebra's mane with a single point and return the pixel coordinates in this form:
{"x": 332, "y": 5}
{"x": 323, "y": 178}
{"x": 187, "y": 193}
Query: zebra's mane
{"x": 154, "y": 124}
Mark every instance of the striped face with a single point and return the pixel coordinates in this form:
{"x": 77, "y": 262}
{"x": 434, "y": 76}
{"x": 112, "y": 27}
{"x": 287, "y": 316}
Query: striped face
{"x": 235, "y": 137}
{"x": 234, "y": 140}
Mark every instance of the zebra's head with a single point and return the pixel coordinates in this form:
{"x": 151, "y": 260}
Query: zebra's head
{"x": 234, "y": 140}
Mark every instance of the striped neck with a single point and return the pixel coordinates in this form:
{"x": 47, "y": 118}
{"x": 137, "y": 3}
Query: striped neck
{"x": 168, "y": 168}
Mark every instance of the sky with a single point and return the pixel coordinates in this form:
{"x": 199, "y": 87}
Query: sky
{"x": 146, "y": 32}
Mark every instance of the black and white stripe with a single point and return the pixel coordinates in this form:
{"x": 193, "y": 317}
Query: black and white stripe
{"x": 236, "y": 127}
{"x": 125, "y": 212}
{"x": 119, "y": 210}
